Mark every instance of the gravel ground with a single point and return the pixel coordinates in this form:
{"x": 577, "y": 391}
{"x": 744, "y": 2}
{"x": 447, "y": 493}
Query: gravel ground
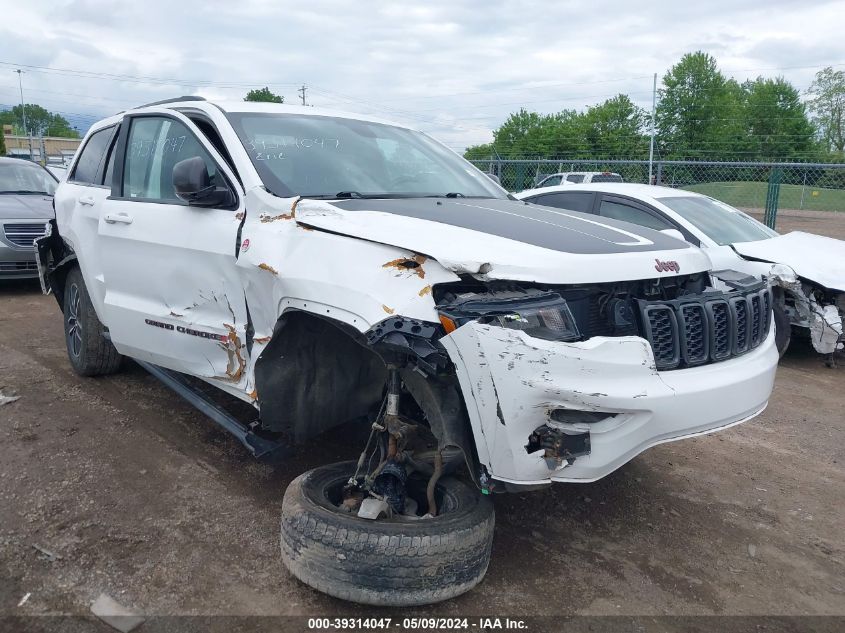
{"x": 144, "y": 499}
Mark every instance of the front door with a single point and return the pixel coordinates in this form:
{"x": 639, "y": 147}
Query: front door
{"x": 172, "y": 292}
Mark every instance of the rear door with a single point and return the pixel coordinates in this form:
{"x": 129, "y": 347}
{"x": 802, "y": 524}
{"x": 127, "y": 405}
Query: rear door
{"x": 79, "y": 202}
{"x": 173, "y": 296}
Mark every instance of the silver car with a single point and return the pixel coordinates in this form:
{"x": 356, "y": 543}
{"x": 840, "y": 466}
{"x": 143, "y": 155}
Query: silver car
{"x": 26, "y": 205}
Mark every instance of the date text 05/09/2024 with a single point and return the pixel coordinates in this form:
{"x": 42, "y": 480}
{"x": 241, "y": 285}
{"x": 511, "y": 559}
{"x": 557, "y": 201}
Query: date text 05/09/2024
{"x": 417, "y": 624}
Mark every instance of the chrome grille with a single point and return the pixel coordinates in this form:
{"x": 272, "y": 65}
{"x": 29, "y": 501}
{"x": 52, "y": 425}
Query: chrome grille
{"x": 23, "y": 234}
{"x": 693, "y": 331}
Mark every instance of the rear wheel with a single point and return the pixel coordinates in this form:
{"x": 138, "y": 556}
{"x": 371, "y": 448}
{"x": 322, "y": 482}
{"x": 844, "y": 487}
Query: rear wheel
{"x": 89, "y": 350}
{"x": 399, "y": 561}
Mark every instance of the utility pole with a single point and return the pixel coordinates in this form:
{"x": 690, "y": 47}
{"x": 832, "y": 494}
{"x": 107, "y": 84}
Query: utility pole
{"x": 23, "y": 111}
{"x": 651, "y": 143}
{"x": 301, "y": 92}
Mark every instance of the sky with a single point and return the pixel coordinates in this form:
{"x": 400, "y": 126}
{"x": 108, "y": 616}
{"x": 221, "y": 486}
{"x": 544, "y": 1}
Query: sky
{"x": 453, "y": 68}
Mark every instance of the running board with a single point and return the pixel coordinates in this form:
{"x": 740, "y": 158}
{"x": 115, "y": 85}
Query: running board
{"x": 261, "y": 448}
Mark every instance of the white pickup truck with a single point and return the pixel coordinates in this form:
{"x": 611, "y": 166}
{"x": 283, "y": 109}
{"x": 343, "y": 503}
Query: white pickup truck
{"x": 327, "y": 267}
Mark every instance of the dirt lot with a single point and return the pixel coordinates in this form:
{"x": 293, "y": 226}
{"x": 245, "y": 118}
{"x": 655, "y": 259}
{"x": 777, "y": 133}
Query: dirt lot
{"x": 819, "y": 222}
{"x": 148, "y": 501}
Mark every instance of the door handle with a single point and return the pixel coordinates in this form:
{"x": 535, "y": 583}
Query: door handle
{"x": 88, "y": 201}
{"x": 113, "y": 218}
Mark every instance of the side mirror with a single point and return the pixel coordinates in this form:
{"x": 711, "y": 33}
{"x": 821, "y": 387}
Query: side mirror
{"x": 674, "y": 233}
{"x": 494, "y": 178}
{"x": 192, "y": 183}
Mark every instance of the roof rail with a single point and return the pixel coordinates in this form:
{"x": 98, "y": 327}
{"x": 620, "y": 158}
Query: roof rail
{"x": 173, "y": 100}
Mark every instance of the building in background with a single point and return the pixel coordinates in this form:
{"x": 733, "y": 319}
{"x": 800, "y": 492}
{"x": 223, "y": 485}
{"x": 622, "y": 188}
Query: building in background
{"x": 53, "y": 150}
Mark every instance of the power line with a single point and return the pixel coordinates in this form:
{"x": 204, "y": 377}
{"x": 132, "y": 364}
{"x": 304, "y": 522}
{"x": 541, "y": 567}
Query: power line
{"x": 139, "y": 79}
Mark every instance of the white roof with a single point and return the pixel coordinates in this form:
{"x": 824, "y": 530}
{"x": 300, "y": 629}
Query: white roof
{"x": 634, "y": 190}
{"x": 235, "y": 106}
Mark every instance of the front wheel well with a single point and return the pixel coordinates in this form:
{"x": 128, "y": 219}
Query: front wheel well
{"x": 317, "y": 373}
{"x": 58, "y": 257}
{"x": 58, "y": 276}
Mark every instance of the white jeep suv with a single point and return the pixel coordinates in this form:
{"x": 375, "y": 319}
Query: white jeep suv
{"x": 326, "y": 267}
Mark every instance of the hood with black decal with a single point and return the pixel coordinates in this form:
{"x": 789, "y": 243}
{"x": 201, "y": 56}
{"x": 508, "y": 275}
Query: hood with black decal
{"x": 509, "y": 239}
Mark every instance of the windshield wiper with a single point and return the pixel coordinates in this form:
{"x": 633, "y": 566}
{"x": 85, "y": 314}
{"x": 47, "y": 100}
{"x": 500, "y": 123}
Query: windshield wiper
{"x": 357, "y": 195}
{"x": 26, "y": 191}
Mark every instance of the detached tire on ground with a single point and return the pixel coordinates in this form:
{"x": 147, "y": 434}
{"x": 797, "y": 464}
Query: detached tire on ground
{"x": 90, "y": 352}
{"x": 393, "y": 562}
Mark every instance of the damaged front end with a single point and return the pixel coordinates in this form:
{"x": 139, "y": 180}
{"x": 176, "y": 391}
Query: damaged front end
{"x": 568, "y": 383}
{"x": 54, "y": 258}
{"x": 808, "y": 305}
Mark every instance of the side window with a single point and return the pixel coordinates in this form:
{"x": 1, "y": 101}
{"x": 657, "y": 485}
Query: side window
{"x": 154, "y": 146}
{"x": 86, "y": 168}
{"x": 551, "y": 181}
{"x": 575, "y": 178}
{"x": 628, "y": 213}
{"x": 572, "y": 200}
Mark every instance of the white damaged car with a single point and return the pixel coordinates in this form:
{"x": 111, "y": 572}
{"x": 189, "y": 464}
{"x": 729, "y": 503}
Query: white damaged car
{"x": 328, "y": 268}
{"x": 807, "y": 271}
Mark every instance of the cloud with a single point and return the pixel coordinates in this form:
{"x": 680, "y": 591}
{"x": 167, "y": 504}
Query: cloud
{"x": 453, "y": 68}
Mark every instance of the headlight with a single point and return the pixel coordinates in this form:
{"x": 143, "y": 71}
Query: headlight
{"x": 543, "y": 315}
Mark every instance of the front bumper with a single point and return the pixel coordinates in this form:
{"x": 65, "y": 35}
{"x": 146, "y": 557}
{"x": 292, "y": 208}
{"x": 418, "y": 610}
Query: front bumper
{"x": 17, "y": 263}
{"x": 512, "y": 383}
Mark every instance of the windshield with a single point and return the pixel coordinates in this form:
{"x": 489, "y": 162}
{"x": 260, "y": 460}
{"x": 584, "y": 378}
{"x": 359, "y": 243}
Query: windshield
{"x": 720, "y": 222}
{"x": 318, "y": 156}
{"x": 24, "y": 177}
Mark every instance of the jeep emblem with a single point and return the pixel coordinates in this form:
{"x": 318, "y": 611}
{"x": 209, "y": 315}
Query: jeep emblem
{"x": 666, "y": 266}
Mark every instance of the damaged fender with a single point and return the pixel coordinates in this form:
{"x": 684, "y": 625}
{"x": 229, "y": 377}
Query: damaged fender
{"x": 823, "y": 321}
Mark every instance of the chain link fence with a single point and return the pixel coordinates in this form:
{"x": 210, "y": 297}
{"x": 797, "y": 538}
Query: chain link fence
{"x": 756, "y": 187}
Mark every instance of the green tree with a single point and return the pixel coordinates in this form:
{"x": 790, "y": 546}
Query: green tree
{"x": 485, "y": 151}
{"x": 776, "y": 120}
{"x": 2, "y": 145}
{"x": 527, "y": 134}
{"x": 40, "y": 122}
{"x": 614, "y": 129}
{"x": 700, "y": 113}
{"x": 263, "y": 94}
{"x": 827, "y": 103}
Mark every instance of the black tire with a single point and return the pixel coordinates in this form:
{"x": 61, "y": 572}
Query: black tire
{"x": 390, "y": 562}
{"x": 783, "y": 329}
{"x": 90, "y": 352}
